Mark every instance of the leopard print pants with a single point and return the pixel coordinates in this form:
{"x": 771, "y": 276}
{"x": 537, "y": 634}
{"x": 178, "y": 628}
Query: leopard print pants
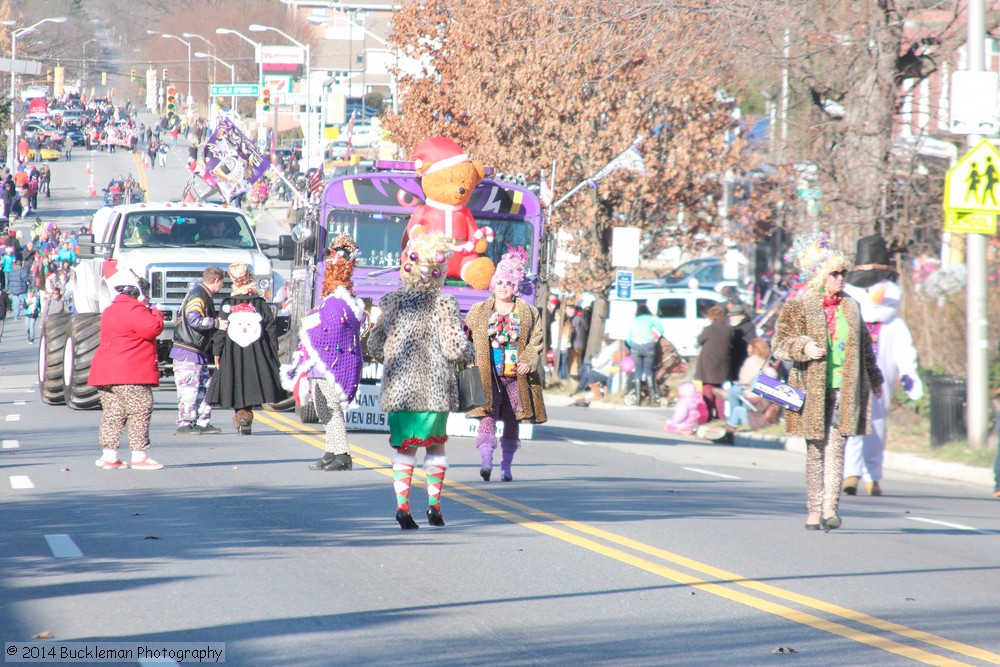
{"x": 331, "y": 414}
{"x": 123, "y": 403}
{"x": 825, "y": 464}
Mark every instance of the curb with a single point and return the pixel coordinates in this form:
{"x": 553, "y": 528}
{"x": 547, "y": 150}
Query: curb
{"x": 562, "y": 401}
{"x": 910, "y": 464}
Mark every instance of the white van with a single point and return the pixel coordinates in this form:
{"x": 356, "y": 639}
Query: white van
{"x": 682, "y": 313}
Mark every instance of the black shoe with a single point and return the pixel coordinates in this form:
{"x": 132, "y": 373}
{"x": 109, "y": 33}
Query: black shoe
{"x": 812, "y": 526}
{"x": 506, "y": 477}
{"x": 405, "y": 520}
{"x": 830, "y": 524}
{"x": 322, "y": 463}
{"x": 207, "y": 430}
{"x": 188, "y": 429}
{"x": 434, "y": 517}
{"x": 485, "y": 473}
{"x": 339, "y": 462}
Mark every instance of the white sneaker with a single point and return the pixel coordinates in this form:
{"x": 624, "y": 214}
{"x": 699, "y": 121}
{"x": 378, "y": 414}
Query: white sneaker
{"x": 146, "y": 464}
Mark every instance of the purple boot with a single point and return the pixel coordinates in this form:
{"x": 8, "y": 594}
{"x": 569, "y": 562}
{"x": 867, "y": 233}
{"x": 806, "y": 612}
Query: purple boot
{"x": 507, "y": 448}
{"x": 486, "y": 445}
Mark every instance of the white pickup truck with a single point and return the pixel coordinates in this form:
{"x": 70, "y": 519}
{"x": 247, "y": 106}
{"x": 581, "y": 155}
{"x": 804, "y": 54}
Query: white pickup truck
{"x": 170, "y": 244}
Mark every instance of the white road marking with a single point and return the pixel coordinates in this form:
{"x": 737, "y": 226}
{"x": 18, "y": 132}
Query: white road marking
{"x": 576, "y": 442}
{"x": 62, "y": 546}
{"x": 946, "y": 524}
{"x": 709, "y": 472}
{"x": 19, "y": 402}
{"x": 21, "y": 482}
{"x": 13, "y": 418}
{"x": 11, "y": 444}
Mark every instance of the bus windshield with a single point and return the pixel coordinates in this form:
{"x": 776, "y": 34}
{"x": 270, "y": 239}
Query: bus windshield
{"x": 378, "y": 235}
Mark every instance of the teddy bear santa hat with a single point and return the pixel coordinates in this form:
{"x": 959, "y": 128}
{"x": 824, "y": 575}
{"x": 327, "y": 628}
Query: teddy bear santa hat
{"x": 437, "y": 153}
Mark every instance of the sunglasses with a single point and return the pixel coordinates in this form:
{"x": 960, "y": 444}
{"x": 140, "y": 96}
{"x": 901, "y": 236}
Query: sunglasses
{"x": 838, "y": 274}
{"x": 507, "y": 283}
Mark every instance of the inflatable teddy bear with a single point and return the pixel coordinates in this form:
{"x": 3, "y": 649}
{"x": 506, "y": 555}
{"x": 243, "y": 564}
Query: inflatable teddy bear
{"x": 448, "y": 178}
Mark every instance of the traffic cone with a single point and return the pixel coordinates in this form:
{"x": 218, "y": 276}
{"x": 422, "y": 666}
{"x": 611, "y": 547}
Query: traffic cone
{"x": 93, "y": 188}
{"x": 89, "y": 170}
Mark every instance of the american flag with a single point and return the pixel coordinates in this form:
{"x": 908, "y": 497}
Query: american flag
{"x": 316, "y": 182}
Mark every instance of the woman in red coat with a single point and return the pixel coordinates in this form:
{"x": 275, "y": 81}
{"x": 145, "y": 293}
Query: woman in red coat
{"x": 124, "y": 370}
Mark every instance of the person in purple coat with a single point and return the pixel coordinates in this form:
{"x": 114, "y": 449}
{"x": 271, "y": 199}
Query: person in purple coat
{"x": 330, "y": 352}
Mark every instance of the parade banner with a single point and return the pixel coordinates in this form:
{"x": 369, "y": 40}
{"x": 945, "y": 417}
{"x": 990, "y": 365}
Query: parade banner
{"x": 232, "y": 161}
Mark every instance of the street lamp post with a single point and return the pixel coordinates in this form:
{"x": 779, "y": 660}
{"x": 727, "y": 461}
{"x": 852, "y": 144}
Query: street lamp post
{"x": 190, "y": 100}
{"x": 256, "y": 50}
{"x": 232, "y": 72}
{"x": 12, "y": 148}
{"x": 308, "y": 142}
{"x": 211, "y": 49}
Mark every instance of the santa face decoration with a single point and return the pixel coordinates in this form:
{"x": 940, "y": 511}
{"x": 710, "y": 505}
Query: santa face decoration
{"x": 244, "y": 325}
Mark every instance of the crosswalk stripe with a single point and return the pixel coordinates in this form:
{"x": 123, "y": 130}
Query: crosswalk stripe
{"x": 63, "y": 546}
{"x": 21, "y": 482}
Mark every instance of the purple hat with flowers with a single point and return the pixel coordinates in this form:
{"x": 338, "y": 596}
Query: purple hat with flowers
{"x": 513, "y": 266}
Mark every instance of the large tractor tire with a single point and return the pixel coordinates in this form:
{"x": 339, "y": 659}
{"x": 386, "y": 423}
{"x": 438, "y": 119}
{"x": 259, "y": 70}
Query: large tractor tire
{"x": 84, "y": 338}
{"x": 50, "y": 358}
{"x": 307, "y": 412}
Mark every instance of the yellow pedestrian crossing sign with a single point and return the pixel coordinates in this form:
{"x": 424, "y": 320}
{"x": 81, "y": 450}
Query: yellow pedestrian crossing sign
{"x": 972, "y": 192}
{"x": 973, "y": 184}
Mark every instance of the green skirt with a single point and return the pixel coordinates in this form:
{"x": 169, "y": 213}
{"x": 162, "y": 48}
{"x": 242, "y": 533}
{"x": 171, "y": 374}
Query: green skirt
{"x": 417, "y": 429}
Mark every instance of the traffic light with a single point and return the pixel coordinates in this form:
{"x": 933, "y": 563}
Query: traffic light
{"x": 165, "y": 77}
{"x": 112, "y": 93}
{"x": 265, "y": 99}
{"x": 133, "y": 74}
{"x": 171, "y": 98}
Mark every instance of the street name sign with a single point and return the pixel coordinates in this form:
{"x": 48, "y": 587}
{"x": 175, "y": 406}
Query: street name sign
{"x": 238, "y": 90}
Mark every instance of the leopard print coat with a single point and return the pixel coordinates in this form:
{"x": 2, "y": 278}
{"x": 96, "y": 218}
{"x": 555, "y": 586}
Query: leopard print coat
{"x": 802, "y": 319}
{"x": 419, "y": 339}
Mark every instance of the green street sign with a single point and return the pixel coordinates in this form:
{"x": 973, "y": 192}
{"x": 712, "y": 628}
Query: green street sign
{"x": 239, "y": 90}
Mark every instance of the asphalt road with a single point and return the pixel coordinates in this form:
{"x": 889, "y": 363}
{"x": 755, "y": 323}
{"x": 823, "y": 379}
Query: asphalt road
{"x": 613, "y": 546}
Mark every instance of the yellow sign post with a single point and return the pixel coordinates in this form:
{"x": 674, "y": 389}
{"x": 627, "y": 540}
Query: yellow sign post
{"x": 972, "y": 192}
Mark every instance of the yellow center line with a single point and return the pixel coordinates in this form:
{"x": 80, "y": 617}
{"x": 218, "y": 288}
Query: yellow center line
{"x": 462, "y": 493}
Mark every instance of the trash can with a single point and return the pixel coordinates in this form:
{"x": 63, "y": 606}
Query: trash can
{"x": 947, "y": 409}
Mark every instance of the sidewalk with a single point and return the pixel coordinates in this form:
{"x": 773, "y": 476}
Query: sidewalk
{"x": 911, "y": 464}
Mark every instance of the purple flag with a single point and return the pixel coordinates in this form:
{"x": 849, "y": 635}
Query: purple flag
{"x": 232, "y": 161}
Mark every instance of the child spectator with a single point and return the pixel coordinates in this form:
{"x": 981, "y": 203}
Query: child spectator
{"x": 689, "y": 412}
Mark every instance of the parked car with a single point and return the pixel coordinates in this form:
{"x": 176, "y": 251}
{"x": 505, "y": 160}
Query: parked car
{"x": 77, "y": 136}
{"x": 49, "y": 154}
{"x": 682, "y": 313}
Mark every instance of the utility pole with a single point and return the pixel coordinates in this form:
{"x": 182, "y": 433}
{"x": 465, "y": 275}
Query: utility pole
{"x": 977, "y": 330}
